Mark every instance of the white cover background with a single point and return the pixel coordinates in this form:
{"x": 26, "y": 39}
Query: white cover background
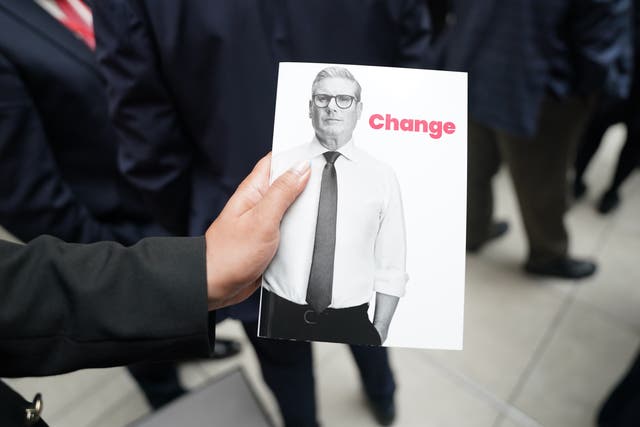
{"x": 432, "y": 176}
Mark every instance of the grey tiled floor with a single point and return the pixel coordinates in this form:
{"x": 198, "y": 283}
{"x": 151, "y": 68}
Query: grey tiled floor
{"x": 536, "y": 352}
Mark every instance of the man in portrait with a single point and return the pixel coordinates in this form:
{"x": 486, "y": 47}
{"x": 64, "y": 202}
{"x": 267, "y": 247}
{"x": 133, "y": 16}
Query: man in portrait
{"x": 343, "y": 241}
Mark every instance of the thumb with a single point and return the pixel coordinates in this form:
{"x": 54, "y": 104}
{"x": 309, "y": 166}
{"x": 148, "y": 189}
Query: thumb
{"x": 283, "y": 192}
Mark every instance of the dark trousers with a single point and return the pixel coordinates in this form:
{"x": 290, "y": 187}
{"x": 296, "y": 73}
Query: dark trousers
{"x": 538, "y": 167}
{"x": 281, "y": 318}
{"x": 608, "y": 113}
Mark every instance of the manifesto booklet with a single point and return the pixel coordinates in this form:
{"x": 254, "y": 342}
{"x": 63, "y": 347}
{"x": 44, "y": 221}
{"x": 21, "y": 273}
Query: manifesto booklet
{"x": 373, "y": 250}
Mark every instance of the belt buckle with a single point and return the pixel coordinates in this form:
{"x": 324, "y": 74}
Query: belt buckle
{"x": 306, "y": 320}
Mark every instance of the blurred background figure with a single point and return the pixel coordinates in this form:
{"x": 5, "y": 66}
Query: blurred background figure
{"x": 58, "y": 164}
{"x": 192, "y": 88}
{"x": 612, "y": 110}
{"x": 439, "y": 11}
{"x": 535, "y": 68}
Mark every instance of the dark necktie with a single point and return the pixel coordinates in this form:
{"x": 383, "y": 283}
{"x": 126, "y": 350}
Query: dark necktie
{"x": 321, "y": 275}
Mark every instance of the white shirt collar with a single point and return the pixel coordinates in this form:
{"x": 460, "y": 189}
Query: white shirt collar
{"x": 348, "y": 150}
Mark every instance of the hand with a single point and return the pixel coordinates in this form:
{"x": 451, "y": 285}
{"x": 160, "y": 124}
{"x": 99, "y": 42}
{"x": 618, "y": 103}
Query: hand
{"x": 383, "y": 331}
{"x": 244, "y": 238}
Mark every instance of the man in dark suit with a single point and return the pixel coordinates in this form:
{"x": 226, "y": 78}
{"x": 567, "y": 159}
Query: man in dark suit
{"x": 58, "y": 163}
{"x": 70, "y": 306}
{"x": 534, "y": 69}
{"x": 192, "y": 92}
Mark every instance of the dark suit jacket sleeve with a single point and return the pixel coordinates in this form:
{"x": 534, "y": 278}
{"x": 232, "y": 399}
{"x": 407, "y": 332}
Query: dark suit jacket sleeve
{"x": 602, "y": 35}
{"x": 154, "y": 154}
{"x": 35, "y": 197}
{"x": 68, "y": 306}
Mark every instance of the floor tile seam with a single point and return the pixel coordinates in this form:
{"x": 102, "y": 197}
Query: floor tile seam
{"x": 610, "y": 316}
{"x": 540, "y": 349}
{"x": 86, "y": 394}
{"x": 603, "y": 236}
{"x": 480, "y": 392}
{"x": 518, "y": 416}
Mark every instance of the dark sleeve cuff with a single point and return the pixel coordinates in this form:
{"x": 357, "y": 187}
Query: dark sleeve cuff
{"x": 68, "y": 306}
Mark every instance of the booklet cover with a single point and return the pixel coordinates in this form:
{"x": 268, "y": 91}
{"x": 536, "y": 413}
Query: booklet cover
{"x": 373, "y": 250}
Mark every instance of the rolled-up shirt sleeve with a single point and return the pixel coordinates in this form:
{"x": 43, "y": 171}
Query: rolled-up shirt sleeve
{"x": 391, "y": 244}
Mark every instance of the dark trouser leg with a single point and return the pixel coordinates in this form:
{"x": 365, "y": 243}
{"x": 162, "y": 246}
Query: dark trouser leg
{"x": 287, "y": 369}
{"x": 630, "y": 155}
{"x": 539, "y": 167}
{"x": 375, "y": 372}
{"x": 608, "y": 113}
{"x": 158, "y": 381}
{"x": 482, "y": 165}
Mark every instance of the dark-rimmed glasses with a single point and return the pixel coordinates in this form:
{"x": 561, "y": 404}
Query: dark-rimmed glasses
{"x": 342, "y": 101}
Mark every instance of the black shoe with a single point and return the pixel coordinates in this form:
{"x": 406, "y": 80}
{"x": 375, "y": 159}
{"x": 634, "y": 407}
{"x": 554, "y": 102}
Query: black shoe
{"x": 224, "y": 348}
{"x": 384, "y": 412}
{"x": 496, "y": 229}
{"x": 609, "y": 201}
{"x": 565, "y": 268}
{"x": 579, "y": 188}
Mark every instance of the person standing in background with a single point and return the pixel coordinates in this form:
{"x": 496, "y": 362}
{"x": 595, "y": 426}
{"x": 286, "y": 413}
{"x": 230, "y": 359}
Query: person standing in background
{"x": 192, "y": 87}
{"x": 58, "y": 164}
{"x": 535, "y": 68}
{"x": 612, "y": 110}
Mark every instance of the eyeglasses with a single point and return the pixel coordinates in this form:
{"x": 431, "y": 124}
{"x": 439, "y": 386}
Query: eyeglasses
{"x": 342, "y": 101}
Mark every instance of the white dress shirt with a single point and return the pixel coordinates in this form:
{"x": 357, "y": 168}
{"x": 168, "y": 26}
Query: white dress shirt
{"x": 370, "y": 247}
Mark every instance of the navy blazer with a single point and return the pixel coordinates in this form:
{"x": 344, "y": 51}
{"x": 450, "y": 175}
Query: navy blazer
{"x": 58, "y": 160}
{"x": 191, "y": 84}
{"x": 518, "y": 51}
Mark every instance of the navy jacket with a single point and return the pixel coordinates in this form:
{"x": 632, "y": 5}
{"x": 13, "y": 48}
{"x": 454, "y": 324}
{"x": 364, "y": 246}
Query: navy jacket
{"x": 58, "y": 162}
{"x": 518, "y": 51}
{"x": 191, "y": 84}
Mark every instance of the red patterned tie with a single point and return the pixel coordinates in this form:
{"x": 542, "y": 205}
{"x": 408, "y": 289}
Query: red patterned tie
{"x": 75, "y": 22}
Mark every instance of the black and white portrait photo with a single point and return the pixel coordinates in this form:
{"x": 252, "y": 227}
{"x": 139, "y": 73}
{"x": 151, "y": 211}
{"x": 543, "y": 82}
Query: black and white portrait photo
{"x": 343, "y": 242}
{"x": 341, "y": 271}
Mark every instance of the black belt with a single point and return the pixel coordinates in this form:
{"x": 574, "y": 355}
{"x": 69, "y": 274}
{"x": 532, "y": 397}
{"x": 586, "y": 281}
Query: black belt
{"x": 309, "y": 315}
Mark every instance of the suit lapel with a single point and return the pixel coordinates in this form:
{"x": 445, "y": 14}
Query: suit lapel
{"x": 33, "y": 16}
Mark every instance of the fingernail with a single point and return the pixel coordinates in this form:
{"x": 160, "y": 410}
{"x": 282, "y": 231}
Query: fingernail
{"x": 301, "y": 167}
